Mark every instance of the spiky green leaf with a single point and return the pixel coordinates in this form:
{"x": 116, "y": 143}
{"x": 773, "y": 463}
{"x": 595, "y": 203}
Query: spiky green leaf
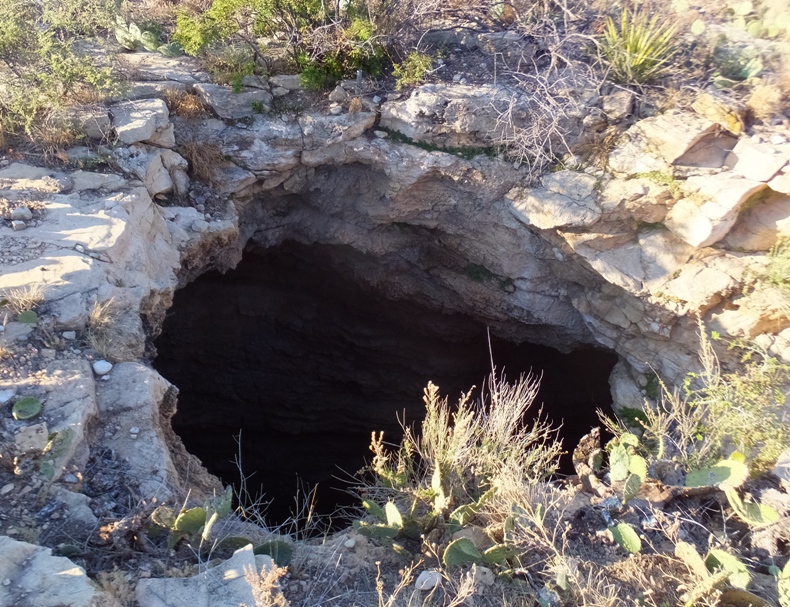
{"x": 461, "y": 552}
{"x": 625, "y": 535}
{"x": 374, "y": 510}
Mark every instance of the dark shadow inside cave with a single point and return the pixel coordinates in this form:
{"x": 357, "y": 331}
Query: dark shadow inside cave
{"x": 305, "y": 362}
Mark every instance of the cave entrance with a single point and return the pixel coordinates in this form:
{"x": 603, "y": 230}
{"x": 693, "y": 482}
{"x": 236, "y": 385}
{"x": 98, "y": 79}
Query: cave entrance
{"x": 305, "y": 362}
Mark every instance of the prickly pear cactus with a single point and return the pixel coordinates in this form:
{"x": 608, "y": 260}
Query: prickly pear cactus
{"x": 753, "y": 513}
{"x": 728, "y": 473}
{"x": 625, "y": 535}
{"x": 461, "y": 552}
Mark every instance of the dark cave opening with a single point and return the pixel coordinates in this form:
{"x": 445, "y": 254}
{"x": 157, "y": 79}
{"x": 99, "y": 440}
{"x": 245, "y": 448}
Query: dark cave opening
{"x": 305, "y": 362}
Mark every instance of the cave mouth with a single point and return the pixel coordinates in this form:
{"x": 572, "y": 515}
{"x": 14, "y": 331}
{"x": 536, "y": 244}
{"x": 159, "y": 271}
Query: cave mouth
{"x": 304, "y": 362}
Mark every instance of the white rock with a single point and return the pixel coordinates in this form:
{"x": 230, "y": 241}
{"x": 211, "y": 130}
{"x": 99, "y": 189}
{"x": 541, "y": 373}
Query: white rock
{"x": 140, "y": 120}
{"x": 220, "y": 586}
{"x": 6, "y": 395}
{"x": 102, "y": 367}
{"x": 31, "y": 438}
{"x": 350, "y": 543}
{"x": 381, "y": 134}
{"x": 290, "y": 82}
{"x": 7, "y": 488}
{"x": 484, "y": 576}
{"x": 338, "y": 95}
{"x": 756, "y": 161}
{"x": 457, "y": 78}
{"x": 18, "y": 226}
{"x": 336, "y": 110}
{"x": 200, "y": 225}
{"x": 428, "y": 580}
{"x": 69, "y": 335}
{"x": 279, "y": 91}
{"x": 22, "y": 213}
{"x": 232, "y": 106}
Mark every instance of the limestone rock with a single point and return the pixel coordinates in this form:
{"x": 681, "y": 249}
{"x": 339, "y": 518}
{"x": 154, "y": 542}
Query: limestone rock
{"x": 451, "y": 115}
{"x": 78, "y": 505}
{"x": 157, "y": 67}
{"x": 721, "y": 109}
{"x": 658, "y": 143}
{"x": 759, "y": 227}
{"x": 85, "y": 180}
{"x": 220, "y": 586}
{"x": 232, "y": 106}
{"x": 338, "y": 94}
{"x": 38, "y": 579}
{"x": 626, "y": 392}
{"x": 92, "y": 120}
{"x": 21, "y": 213}
{"x": 428, "y": 580}
{"x": 703, "y": 283}
{"x": 290, "y": 82}
{"x": 638, "y": 199}
{"x": 751, "y": 315}
{"x": 756, "y": 161}
{"x": 31, "y": 439}
{"x": 146, "y": 164}
{"x": 143, "y": 120}
{"x": 70, "y": 312}
{"x": 147, "y": 90}
{"x": 131, "y": 399}
{"x": 708, "y": 214}
{"x": 567, "y": 199}
{"x": 618, "y": 105}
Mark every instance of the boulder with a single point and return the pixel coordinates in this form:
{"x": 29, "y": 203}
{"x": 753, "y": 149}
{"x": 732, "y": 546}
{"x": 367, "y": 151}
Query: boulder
{"x": 712, "y": 208}
{"x": 221, "y": 586}
{"x": 146, "y": 164}
{"x": 92, "y": 120}
{"x": 31, "y": 577}
{"x": 759, "y": 227}
{"x": 618, "y": 105}
{"x": 143, "y": 120}
{"x": 756, "y": 161}
{"x": 453, "y": 115}
{"x": 230, "y": 105}
{"x": 567, "y": 199}
{"x": 638, "y": 199}
{"x": 290, "y": 82}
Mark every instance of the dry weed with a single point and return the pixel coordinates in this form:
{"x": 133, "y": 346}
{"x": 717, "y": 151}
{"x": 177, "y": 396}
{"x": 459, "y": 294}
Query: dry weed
{"x": 186, "y": 105}
{"x": 355, "y": 106}
{"x": 265, "y": 586}
{"x": 766, "y": 101}
{"x": 115, "y": 584}
{"x": 111, "y": 331}
{"x": 22, "y": 299}
{"x": 202, "y": 157}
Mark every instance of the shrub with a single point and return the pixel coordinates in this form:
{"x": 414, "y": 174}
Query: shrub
{"x": 412, "y": 70}
{"x": 638, "y": 51}
{"x": 325, "y": 43}
{"x": 44, "y": 73}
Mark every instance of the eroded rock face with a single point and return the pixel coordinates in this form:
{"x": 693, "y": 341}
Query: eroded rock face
{"x": 624, "y": 261}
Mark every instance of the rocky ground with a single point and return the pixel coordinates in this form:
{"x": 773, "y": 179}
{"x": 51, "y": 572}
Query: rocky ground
{"x": 677, "y": 228}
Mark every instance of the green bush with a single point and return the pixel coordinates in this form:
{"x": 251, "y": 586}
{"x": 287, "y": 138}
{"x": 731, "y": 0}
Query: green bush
{"x": 639, "y": 49}
{"x": 325, "y": 44}
{"x": 412, "y": 70}
{"x": 43, "y": 73}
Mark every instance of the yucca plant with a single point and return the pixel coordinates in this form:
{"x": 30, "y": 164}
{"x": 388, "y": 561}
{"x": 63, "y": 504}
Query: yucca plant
{"x": 637, "y": 51}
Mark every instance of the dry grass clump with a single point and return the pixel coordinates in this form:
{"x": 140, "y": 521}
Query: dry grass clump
{"x": 766, "y": 101}
{"x": 112, "y": 331}
{"x": 186, "y": 105}
{"x": 22, "y": 299}
{"x": 117, "y": 587}
{"x": 202, "y": 157}
{"x": 265, "y": 586}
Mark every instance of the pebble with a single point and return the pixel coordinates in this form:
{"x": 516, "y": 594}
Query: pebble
{"x": 8, "y": 488}
{"x": 22, "y": 214}
{"x": 6, "y": 582}
{"x": 381, "y": 134}
{"x": 134, "y": 430}
{"x": 778, "y": 140}
{"x": 18, "y": 225}
{"x": 376, "y": 99}
{"x": 70, "y": 478}
{"x": 69, "y": 335}
{"x": 101, "y": 367}
{"x": 428, "y": 580}
{"x": 457, "y": 78}
{"x": 336, "y": 110}
{"x": 350, "y": 542}
{"x": 48, "y": 353}
{"x": 199, "y": 225}
{"x": 79, "y": 248}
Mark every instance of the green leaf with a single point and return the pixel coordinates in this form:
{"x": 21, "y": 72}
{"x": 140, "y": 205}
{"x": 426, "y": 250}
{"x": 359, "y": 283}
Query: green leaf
{"x": 754, "y": 514}
{"x": 618, "y": 463}
{"x": 736, "y": 571}
{"x": 281, "y": 551}
{"x": 625, "y": 535}
{"x": 461, "y": 552}
{"x": 632, "y": 486}
{"x": 150, "y": 41}
{"x": 28, "y": 317}
{"x": 725, "y": 474}
{"x": 499, "y": 554}
{"x": 190, "y": 521}
{"x": 638, "y": 466}
{"x": 234, "y": 542}
{"x": 25, "y": 408}
{"x": 374, "y": 510}
{"x": 394, "y": 517}
{"x": 691, "y": 558}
